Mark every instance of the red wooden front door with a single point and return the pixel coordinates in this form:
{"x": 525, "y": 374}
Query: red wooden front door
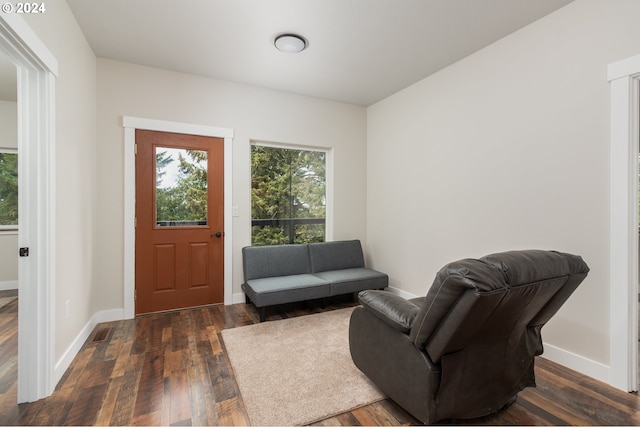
{"x": 179, "y": 221}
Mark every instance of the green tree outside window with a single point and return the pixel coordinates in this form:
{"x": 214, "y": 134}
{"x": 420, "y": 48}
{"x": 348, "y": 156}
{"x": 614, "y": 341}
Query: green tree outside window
{"x": 8, "y": 189}
{"x": 181, "y": 197}
{"x": 288, "y": 195}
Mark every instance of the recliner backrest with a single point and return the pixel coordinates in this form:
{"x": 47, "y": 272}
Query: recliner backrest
{"x": 481, "y": 321}
{"x": 467, "y": 292}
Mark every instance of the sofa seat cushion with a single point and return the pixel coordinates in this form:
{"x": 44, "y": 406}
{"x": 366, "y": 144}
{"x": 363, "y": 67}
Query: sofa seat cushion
{"x": 283, "y": 289}
{"x": 354, "y": 280}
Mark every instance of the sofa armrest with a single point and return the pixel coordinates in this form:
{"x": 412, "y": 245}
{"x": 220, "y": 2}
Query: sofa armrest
{"x": 394, "y": 310}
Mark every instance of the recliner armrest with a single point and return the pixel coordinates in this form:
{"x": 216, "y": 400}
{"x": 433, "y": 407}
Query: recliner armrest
{"x": 394, "y": 310}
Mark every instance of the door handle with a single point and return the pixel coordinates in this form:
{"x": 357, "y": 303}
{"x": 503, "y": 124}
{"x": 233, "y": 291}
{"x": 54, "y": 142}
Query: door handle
{"x": 218, "y": 234}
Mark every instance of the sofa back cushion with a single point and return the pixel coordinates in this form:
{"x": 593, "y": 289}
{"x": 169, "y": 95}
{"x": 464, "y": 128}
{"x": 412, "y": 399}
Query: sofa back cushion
{"x": 340, "y": 255}
{"x": 272, "y": 261}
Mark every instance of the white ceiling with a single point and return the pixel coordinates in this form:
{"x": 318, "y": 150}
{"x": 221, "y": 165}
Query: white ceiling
{"x": 359, "y": 52}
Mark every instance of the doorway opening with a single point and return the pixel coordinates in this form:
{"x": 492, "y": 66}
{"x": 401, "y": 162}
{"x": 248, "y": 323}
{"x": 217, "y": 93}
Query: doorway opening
{"x": 624, "y": 264}
{"x": 36, "y": 72}
{"x": 8, "y": 229}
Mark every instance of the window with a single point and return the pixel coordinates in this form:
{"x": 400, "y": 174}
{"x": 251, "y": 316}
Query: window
{"x": 288, "y": 195}
{"x": 8, "y": 189}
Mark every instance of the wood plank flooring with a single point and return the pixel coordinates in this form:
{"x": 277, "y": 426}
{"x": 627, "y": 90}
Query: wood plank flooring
{"x": 172, "y": 369}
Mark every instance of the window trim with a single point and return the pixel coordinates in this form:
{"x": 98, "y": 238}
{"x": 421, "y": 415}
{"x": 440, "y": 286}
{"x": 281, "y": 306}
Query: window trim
{"x": 329, "y": 185}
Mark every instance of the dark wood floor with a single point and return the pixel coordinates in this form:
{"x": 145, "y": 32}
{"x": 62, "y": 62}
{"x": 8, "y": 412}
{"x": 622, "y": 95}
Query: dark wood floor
{"x": 171, "y": 369}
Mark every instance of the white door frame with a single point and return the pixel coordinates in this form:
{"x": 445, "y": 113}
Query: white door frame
{"x": 130, "y": 125}
{"x": 624, "y": 78}
{"x": 37, "y": 69}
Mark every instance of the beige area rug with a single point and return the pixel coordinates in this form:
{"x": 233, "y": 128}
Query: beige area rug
{"x": 297, "y": 371}
{"x": 7, "y": 300}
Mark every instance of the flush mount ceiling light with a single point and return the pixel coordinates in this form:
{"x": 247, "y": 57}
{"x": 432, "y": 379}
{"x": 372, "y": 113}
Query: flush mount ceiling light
{"x": 290, "y": 43}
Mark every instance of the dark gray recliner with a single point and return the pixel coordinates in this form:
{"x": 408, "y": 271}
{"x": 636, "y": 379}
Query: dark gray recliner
{"x": 468, "y": 347}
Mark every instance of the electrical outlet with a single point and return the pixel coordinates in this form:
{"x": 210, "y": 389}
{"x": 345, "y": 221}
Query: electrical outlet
{"x": 235, "y": 211}
{"x": 67, "y": 309}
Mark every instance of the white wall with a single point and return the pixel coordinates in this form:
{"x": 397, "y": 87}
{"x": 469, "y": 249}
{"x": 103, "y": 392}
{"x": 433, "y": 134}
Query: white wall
{"x": 8, "y": 240}
{"x": 9, "y": 263}
{"x": 8, "y": 124}
{"x": 75, "y": 115}
{"x": 254, "y": 114}
{"x": 506, "y": 149}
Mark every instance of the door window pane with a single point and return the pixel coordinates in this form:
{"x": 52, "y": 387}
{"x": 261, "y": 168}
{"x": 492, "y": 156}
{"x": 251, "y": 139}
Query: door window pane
{"x": 181, "y": 187}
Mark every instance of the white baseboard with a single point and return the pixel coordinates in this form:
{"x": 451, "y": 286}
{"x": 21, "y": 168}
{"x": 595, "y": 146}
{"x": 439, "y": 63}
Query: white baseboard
{"x": 109, "y": 315}
{"x": 578, "y": 363}
{"x": 8, "y": 285}
{"x": 238, "y": 298}
{"x": 400, "y": 292}
{"x": 65, "y": 361}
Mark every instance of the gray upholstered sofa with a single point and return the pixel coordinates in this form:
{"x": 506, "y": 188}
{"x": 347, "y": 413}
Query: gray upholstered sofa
{"x": 290, "y": 273}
